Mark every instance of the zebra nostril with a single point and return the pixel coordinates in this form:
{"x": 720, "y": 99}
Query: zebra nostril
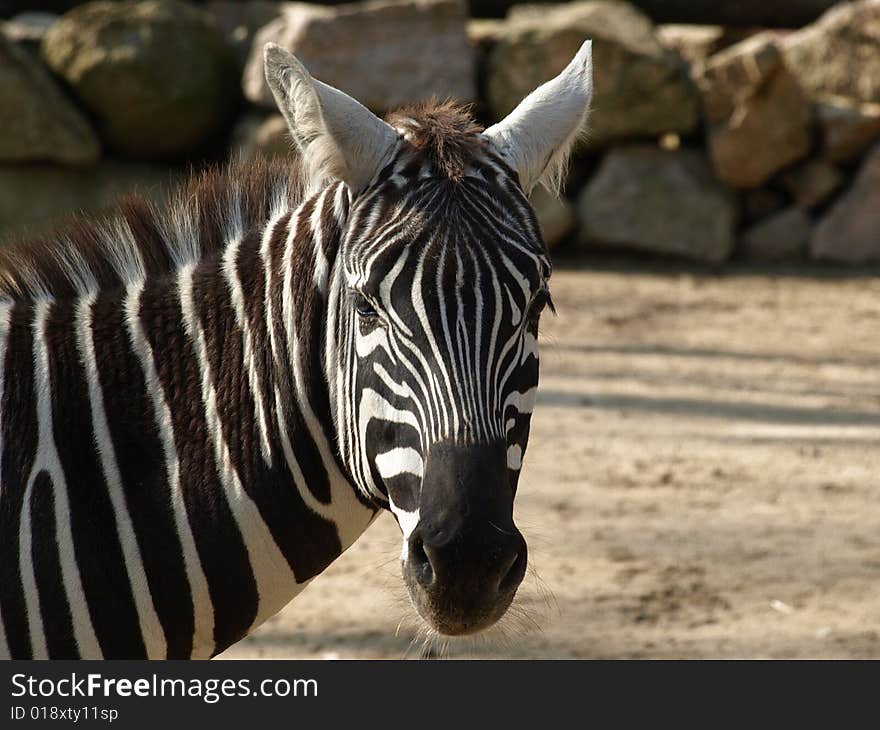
{"x": 421, "y": 563}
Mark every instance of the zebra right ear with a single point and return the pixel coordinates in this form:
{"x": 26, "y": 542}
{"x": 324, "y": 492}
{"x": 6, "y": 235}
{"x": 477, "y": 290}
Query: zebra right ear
{"x": 338, "y": 138}
{"x": 537, "y": 137}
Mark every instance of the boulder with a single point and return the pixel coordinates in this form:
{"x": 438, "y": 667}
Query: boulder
{"x": 758, "y": 118}
{"x": 666, "y": 202}
{"x": 383, "y": 53}
{"x": 640, "y": 88}
{"x": 812, "y": 182}
{"x": 35, "y": 197}
{"x": 240, "y": 21}
{"x": 848, "y": 128}
{"x": 483, "y": 33}
{"x": 156, "y": 75}
{"x": 837, "y": 55}
{"x": 694, "y": 43}
{"x": 555, "y": 214}
{"x": 850, "y": 230}
{"x": 782, "y": 236}
{"x": 38, "y": 121}
{"x": 761, "y": 203}
{"x": 259, "y": 135}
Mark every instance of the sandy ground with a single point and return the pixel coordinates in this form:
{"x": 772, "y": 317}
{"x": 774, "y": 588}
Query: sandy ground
{"x": 703, "y": 480}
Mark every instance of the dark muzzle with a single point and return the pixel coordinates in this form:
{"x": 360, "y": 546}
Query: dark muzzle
{"x": 466, "y": 557}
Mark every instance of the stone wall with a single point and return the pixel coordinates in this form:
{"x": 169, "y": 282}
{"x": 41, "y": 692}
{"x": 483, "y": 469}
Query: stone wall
{"x": 707, "y": 142}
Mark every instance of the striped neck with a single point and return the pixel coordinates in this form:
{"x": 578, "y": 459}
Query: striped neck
{"x": 257, "y": 320}
{"x": 177, "y": 476}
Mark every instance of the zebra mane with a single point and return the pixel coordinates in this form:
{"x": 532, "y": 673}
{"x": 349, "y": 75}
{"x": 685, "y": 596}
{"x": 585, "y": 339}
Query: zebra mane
{"x": 444, "y": 131}
{"x": 137, "y": 238}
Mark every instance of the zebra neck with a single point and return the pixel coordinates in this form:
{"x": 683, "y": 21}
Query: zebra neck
{"x": 298, "y": 252}
{"x": 255, "y": 321}
{"x": 237, "y": 343}
{"x": 181, "y": 439}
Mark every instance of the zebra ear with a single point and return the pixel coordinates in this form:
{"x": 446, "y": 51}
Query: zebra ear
{"x": 337, "y": 137}
{"x": 537, "y": 137}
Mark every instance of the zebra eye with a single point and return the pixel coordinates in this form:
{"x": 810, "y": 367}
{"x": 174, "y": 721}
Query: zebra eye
{"x": 363, "y": 307}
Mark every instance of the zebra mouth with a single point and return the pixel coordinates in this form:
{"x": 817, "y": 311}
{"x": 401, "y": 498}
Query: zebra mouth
{"x": 458, "y": 615}
{"x": 468, "y": 598}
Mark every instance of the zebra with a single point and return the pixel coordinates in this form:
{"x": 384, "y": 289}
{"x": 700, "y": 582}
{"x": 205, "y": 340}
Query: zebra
{"x": 202, "y": 405}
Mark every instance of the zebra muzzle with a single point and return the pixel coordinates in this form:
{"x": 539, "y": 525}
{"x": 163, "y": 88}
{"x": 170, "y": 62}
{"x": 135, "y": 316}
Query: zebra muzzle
{"x": 465, "y": 558}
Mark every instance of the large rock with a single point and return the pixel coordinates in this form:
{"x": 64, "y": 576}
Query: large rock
{"x": 850, "y": 231}
{"x": 762, "y": 203}
{"x": 240, "y": 21}
{"x": 812, "y": 182}
{"x": 758, "y": 118}
{"x": 782, "y": 236}
{"x": 694, "y": 43}
{"x": 837, "y": 55}
{"x": 35, "y": 197}
{"x": 640, "y": 88}
{"x": 156, "y": 75}
{"x": 37, "y": 120}
{"x": 383, "y": 53}
{"x": 484, "y": 33}
{"x": 848, "y": 128}
{"x": 661, "y": 201}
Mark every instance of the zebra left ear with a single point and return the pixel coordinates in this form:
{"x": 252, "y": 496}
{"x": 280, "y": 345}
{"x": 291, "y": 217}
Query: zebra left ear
{"x": 537, "y": 137}
{"x": 338, "y": 138}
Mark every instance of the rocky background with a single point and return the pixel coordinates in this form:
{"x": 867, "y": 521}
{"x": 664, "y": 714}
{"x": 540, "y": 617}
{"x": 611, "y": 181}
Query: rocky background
{"x": 733, "y": 129}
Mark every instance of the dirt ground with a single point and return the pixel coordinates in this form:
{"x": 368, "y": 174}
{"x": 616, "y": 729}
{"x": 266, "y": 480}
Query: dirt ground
{"x": 702, "y": 480}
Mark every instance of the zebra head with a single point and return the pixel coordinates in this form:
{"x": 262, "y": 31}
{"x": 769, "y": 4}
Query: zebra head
{"x": 434, "y": 298}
